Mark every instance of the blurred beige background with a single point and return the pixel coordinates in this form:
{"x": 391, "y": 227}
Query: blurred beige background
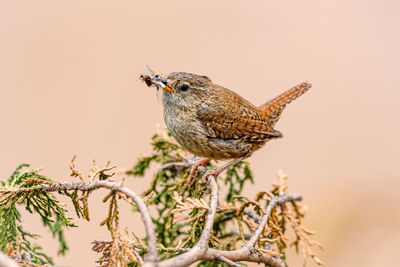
{"x": 69, "y": 84}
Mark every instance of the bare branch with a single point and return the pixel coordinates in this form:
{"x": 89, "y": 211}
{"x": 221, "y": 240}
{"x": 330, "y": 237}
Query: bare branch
{"x": 152, "y": 255}
{"x": 205, "y": 236}
{"x": 177, "y": 164}
{"x": 271, "y": 205}
{"x": 199, "y": 250}
{"x": 252, "y": 215}
{"x": 138, "y": 257}
{"x": 227, "y": 261}
{"x": 242, "y": 255}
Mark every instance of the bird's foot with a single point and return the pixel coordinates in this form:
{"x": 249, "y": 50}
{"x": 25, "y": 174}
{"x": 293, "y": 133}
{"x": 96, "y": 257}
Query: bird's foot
{"x": 211, "y": 172}
{"x": 218, "y": 171}
{"x": 193, "y": 169}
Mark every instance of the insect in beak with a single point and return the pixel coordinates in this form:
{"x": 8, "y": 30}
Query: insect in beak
{"x": 157, "y": 82}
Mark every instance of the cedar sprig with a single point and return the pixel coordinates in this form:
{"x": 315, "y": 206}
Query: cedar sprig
{"x": 23, "y": 189}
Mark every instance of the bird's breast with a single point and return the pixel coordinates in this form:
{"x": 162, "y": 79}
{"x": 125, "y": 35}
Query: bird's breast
{"x": 184, "y": 127}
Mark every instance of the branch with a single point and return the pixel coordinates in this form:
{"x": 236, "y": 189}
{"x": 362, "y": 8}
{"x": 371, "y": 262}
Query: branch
{"x": 137, "y": 255}
{"x": 152, "y": 255}
{"x": 177, "y": 164}
{"x": 252, "y": 215}
{"x": 271, "y": 205}
{"x": 199, "y": 250}
{"x": 242, "y": 255}
{"x": 221, "y": 258}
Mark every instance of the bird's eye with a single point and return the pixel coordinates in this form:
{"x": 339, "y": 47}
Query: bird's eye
{"x": 184, "y": 87}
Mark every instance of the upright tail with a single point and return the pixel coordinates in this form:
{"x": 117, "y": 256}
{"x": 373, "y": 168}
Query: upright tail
{"x": 273, "y": 108}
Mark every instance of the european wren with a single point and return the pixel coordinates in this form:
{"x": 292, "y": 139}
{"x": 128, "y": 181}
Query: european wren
{"x": 211, "y": 121}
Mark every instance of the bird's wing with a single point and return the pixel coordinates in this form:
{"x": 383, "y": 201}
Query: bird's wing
{"x": 231, "y": 120}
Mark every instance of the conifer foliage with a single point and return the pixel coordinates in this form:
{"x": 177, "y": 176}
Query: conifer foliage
{"x": 209, "y": 222}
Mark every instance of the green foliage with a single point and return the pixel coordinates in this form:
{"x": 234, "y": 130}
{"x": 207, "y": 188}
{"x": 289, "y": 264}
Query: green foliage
{"x": 236, "y": 177}
{"x": 165, "y": 150}
{"x": 51, "y": 212}
{"x": 182, "y": 210}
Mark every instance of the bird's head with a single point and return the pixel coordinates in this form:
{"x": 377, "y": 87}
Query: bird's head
{"x": 180, "y": 87}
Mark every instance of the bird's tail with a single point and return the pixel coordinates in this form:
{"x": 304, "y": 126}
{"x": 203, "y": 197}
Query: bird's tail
{"x": 273, "y": 108}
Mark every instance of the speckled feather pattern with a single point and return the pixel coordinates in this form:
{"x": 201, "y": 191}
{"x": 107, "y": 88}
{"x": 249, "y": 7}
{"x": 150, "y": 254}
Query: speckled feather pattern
{"x": 211, "y": 121}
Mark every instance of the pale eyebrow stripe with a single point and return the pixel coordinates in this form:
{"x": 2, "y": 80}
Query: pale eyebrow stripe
{"x": 198, "y": 88}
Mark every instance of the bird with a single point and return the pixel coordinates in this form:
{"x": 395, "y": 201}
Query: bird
{"x": 213, "y": 122}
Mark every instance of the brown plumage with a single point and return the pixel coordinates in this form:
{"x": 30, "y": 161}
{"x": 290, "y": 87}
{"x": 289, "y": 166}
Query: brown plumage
{"x": 211, "y": 121}
{"x": 273, "y": 108}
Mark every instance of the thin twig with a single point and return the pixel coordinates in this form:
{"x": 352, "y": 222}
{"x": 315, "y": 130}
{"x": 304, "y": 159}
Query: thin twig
{"x": 271, "y": 205}
{"x": 252, "y": 215}
{"x": 177, "y": 164}
{"x": 138, "y": 257}
{"x": 227, "y": 261}
{"x": 242, "y": 255}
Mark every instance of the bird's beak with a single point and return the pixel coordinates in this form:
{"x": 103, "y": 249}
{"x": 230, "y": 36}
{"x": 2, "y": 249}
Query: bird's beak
{"x": 157, "y": 82}
{"x": 164, "y": 85}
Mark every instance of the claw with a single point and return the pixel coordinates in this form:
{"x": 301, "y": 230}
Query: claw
{"x": 213, "y": 172}
{"x": 193, "y": 170}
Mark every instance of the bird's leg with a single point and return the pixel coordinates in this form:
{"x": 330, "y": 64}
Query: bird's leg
{"x": 195, "y": 166}
{"x": 218, "y": 171}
